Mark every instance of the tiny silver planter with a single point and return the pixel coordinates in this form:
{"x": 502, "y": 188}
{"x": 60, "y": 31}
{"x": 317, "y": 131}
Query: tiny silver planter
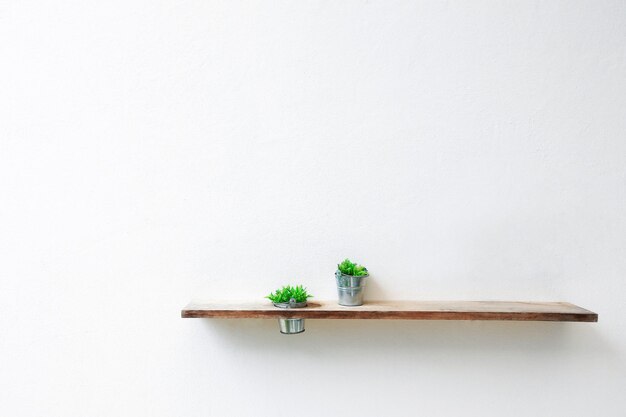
{"x": 291, "y": 326}
{"x": 350, "y": 289}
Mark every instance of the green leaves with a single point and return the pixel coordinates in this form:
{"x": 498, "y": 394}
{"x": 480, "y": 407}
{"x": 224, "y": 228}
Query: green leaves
{"x": 349, "y": 268}
{"x": 287, "y": 292}
{"x": 299, "y": 293}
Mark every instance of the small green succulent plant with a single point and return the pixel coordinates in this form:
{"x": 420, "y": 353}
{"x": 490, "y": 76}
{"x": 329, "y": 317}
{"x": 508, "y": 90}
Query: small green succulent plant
{"x": 287, "y": 292}
{"x": 352, "y": 269}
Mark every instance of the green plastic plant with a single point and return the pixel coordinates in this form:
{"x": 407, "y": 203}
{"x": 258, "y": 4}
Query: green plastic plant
{"x": 349, "y": 268}
{"x": 287, "y": 292}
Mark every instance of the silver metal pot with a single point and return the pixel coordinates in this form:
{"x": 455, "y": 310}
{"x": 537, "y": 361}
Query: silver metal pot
{"x": 350, "y": 289}
{"x": 291, "y": 326}
{"x": 291, "y": 304}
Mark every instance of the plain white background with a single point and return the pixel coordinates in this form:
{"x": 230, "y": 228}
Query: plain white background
{"x": 152, "y": 152}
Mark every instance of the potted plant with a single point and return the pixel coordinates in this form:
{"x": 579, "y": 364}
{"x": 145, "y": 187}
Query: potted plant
{"x": 290, "y": 297}
{"x": 350, "y": 283}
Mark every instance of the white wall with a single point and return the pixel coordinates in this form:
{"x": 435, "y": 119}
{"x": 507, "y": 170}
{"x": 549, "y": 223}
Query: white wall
{"x": 153, "y": 152}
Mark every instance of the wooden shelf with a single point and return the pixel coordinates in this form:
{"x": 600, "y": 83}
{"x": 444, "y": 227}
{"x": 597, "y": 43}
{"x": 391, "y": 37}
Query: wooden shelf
{"x": 398, "y": 310}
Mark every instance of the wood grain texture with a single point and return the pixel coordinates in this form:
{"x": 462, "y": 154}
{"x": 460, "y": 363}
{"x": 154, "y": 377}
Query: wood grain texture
{"x": 398, "y": 310}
